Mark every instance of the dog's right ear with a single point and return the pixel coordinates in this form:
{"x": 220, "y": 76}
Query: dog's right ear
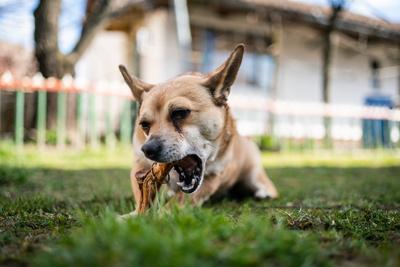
{"x": 137, "y": 86}
{"x": 219, "y": 81}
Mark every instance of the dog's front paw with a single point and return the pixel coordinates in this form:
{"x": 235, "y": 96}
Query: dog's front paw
{"x": 264, "y": 194}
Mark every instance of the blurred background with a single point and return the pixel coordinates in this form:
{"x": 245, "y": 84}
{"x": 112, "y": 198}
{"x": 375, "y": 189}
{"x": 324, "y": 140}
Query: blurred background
{"x": 316, "y": 73}
{"x": 318, "y": 90}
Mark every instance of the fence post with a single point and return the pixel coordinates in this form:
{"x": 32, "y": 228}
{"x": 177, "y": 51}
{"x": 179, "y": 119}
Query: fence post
{"x": 19, "y": 118}
{"x": 61, "y": 119}
{"x": 79, "y": 119}
{"x": 41, "y": 118}
{"x": 110, "y": 137}
{"x": 126, "y": 123}
{"x": 92, "y": 121}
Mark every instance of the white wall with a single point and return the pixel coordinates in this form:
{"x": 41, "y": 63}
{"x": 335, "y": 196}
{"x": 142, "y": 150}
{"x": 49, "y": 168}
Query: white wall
{"x": 101, "y": 59}
{"x": 300, "y": 73}
{"x": 158, "y": 47}
{"x": 300, "y": 63}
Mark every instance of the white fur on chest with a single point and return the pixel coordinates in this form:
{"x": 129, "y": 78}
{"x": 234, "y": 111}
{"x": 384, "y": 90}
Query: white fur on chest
{"x": 215, "y": 168}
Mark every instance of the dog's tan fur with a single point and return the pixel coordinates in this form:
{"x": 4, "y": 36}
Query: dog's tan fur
{"x": 208, "y": 131}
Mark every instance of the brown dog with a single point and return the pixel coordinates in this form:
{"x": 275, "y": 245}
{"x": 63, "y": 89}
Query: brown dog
{"x": 186, "y": 120}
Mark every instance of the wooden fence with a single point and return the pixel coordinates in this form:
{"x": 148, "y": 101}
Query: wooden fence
{"x": 290, "y": 118}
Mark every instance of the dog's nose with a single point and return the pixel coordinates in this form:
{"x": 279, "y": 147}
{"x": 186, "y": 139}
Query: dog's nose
{"x": 152, "y": 149}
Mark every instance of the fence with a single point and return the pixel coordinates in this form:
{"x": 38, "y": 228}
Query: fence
{"x": 370, "y": 126}
{"x": 87, "y": 115}
{"x": 356, "y": 125}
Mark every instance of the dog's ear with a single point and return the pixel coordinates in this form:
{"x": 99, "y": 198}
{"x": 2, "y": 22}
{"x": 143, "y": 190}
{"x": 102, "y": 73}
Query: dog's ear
{"x": 219, "y": 81}
{"x": 137, "y": 86}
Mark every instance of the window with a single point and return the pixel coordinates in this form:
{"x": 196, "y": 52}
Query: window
{"x": 375, "y": 81}
{"x": 257, "y": 69}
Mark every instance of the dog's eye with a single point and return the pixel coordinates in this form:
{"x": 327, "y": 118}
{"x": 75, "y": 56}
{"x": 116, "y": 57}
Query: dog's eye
{"x": 179, "y": 114}
{"x": 145, "y": 126}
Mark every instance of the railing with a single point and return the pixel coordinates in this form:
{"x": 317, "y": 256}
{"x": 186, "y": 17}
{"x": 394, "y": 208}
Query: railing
{"x": 97, "y": 121}
{"x": 359, "y": 126}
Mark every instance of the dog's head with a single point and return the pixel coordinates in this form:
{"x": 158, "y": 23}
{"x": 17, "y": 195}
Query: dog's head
{"x": 182, "y": 119}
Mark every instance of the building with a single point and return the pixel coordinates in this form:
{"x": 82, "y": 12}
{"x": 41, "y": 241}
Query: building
{"x": 283, "y": 60}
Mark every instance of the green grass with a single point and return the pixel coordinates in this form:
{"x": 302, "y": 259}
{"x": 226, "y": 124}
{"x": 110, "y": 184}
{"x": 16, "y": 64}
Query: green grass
{"x": 59, "y": 209}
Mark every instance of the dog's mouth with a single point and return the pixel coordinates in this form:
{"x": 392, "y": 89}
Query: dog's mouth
{"x": 190, "y": 171}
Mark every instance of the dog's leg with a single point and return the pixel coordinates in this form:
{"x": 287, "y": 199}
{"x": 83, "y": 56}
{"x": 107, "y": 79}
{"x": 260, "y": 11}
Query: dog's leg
{"x": 260, "y": 184}
{"x": 207, "y": 189}
{"x": 136, "y": 193}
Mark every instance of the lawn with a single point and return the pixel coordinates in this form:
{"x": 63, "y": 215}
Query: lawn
{"x": 336, "y": 209}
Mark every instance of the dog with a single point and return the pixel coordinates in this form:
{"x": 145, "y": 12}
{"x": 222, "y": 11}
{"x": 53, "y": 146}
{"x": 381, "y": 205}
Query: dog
{"x": 186, "y": 120}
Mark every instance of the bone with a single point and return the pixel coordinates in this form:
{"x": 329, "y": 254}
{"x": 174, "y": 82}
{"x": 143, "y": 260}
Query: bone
{"x": 149, "y": 182}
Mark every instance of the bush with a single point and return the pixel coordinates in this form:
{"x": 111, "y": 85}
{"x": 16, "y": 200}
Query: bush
{"x": 267, "y": 143}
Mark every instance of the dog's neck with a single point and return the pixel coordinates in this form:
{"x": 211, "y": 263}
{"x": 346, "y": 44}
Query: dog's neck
{"x": 225, "y": 142}
{"x": 228, "y": 132}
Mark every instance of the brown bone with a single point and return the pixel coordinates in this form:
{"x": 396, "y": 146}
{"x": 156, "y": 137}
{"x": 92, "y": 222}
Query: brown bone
{"x": 150, "y": 182}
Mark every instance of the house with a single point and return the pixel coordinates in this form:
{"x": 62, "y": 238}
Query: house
{"x": 283, "y": 58}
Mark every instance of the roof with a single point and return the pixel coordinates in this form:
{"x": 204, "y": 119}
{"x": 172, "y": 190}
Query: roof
{"x": 316, "y": 15}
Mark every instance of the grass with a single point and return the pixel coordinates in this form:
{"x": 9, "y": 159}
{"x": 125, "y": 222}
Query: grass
{"x": 335, "y": 209}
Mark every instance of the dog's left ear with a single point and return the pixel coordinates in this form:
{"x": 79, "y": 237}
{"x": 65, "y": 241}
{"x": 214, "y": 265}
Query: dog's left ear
{"x": 219, "y": 81}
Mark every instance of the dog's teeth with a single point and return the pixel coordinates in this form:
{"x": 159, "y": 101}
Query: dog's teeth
{"x": 193, "y": 181}
{"x": 187, "y": 187}
{"x": 180, "y": 184}
{"x": 198, "y": 169}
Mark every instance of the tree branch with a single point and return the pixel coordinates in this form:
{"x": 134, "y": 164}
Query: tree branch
{"x": 93, "y": 23}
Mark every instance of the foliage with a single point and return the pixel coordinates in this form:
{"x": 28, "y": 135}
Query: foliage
{"x": 267, "y": 143}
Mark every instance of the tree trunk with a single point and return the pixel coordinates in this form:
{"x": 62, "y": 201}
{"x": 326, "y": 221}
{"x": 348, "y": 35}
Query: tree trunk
{"x": 51, "y": 61}
{"x": 327, "y": 65}
{"x": 398, "y": 73}
{"x": 326, "y": 71}
{"x": 277, "y": 38}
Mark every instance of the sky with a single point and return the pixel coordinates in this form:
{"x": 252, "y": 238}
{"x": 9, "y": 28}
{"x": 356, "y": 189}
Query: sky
{"x": 17, "y": 24}
{"x": 16, "y": 19}
{"x": 384, "y": 9}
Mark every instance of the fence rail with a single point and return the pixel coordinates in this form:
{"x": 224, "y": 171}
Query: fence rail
{"x": 296, "y": 120}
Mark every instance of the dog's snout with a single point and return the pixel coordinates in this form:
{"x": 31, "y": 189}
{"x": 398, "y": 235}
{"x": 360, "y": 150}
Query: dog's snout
{"x": 152, "y": 148}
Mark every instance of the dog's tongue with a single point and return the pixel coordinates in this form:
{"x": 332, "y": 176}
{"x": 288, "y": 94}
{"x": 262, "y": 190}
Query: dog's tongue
{"x": 188, "y": 163}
